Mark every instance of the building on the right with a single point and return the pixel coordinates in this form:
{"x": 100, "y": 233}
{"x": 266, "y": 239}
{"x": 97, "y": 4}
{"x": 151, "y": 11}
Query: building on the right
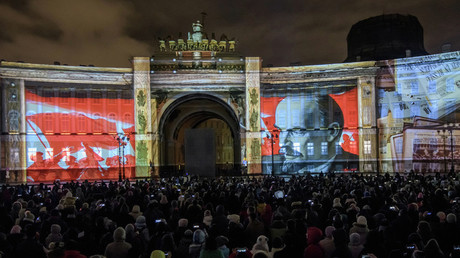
{"x": 387, "y": 36}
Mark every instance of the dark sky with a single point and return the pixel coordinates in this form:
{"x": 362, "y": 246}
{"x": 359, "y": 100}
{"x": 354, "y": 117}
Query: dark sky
{"x": 111, "y": 32}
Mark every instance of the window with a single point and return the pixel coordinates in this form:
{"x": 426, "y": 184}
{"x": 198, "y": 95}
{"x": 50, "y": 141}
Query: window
{"x": 65, "y": 95}
{"x": 450, "y": 87}
{"x": 49, "y": 154}
{"x": 66, "y": 154}
{"x": 65, "y": 123}
{"x": 414, "y": 87}
{"x": 127, "y": 118}
{"x": 433, "y": 109}
{"x": 112, "y": 123}
{"x": 31, "y": 153}
{"x": 367, "y": 147}
{"x": 323, "y": 148}
{"x": 81, "y": 123}
{"x": 97, "y": 123}
{"x": 81, "y": 96}
{"x": 432, "y": 87}
{"x": 48, "y": 122}
{"x": 310, "y": 149}
{"x": 297, "y": 146}
{"x": 97, "y": 97}
{"x": 338, "y": 148}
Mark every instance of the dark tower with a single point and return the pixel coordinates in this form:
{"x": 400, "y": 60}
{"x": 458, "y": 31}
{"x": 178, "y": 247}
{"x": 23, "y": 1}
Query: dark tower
{"x": 386, "y": 36}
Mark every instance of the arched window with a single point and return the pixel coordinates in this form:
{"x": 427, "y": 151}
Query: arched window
{"x": 48, "y": 123}
{"x": 112, "y": 123}
{"x": 65, "y": 123}
{"x": 127, "y": 118}
{"x": 97, "y": 123}
{"x": 81, "y": 123}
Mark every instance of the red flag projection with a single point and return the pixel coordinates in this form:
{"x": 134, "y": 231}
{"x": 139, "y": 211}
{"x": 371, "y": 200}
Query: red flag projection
{"x": 78, "y": 138}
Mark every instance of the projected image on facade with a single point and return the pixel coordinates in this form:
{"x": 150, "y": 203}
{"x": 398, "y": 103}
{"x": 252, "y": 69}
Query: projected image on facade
{"x": 78, "y": 134}
{"x": 310, "y": 130}
{"x": 418, "y": 105}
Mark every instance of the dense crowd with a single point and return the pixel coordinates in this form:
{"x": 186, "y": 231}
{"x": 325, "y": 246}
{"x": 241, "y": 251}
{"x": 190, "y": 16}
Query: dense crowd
{"x": 324, "y": 215}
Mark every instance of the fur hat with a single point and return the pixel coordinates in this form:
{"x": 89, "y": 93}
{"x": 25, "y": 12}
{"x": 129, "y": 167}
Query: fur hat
{"x": 261, "y": 243}
{"x": 361, "y": 221}
{"x": 29, "y": 216}
{"x": 336, "y": 203}
{"x": 235, "y": 218}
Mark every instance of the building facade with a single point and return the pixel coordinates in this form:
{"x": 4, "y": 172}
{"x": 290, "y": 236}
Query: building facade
{"x": 197, "y": 107}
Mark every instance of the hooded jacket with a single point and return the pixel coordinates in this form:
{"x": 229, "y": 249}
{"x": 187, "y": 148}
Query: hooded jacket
{"x": 313, "y": 250}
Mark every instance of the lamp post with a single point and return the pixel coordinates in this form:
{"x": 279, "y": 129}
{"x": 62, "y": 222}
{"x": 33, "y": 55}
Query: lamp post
{"x": 272, "y": 136}
{"x": 121, "y": 158}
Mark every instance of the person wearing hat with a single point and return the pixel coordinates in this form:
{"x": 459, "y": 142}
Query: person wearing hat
{"x": 222, "y": 242}
{"x": 199, "y": 237}
{"x": 360, "y": 227}
{"x": 327, "y": 244}
{"x": 119, "y": 247}
{"x": 30, "y": 247}
{"x": 313, "y": 249}
{"x": 55, "y": 235}
{"x": 135, "y": 212}
{"x": 355, "y": 245}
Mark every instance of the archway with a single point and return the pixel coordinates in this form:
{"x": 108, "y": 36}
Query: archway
{"x": 193, "y": 122}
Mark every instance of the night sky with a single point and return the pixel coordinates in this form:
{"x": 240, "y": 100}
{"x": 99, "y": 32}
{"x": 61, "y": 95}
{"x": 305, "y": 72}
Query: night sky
{"x": 111, "y": 32}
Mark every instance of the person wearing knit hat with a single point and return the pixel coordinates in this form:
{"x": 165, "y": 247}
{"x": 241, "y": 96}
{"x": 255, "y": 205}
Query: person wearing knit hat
{"x": 119, "y": 247}
{"x": 157, "y": 254}
{"x": 327, "y": 244}
{"x": 355, "y": 245}
{"x": 29, "y": 218}
{"x": 136, "y": 211}
{"x": 360, "y": 227}
{"x": 140, "y": 223}
{"x": 54, "y": 235}
{"x": 199, "y": 237}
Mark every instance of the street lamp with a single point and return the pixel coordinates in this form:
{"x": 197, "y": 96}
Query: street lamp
{"x": 122, "y": 142}
{"x": 272, "y": 136}
{"x": 448, "y": 128}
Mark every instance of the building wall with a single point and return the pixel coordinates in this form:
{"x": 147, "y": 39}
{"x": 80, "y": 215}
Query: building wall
{"x": 398, "y": 115}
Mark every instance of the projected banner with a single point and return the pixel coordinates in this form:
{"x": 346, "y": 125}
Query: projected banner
{"x": 312, "y": 130}
{"x": 80, "y": 137}
{"x": 419, "y": 100}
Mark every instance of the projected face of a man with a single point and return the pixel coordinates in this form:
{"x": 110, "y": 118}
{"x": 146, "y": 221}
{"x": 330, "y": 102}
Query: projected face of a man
{"x": 306, "y": 149}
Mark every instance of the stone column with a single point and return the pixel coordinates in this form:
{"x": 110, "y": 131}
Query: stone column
{"x": 253, "y": 135}
{"x": 142, "y": 113}
{"x": 367, "y": 124}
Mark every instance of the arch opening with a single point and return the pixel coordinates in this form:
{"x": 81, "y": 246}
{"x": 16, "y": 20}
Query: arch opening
{"x": 199, "y": 134}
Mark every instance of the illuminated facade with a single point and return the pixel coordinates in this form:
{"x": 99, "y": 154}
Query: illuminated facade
{"x": 198, "y": 107}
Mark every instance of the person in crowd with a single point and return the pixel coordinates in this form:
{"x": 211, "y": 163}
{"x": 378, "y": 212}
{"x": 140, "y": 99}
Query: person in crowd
{"x": 398, "y": 212}
{"x": 119, "y": 248}
{"x": 313, "y": 250}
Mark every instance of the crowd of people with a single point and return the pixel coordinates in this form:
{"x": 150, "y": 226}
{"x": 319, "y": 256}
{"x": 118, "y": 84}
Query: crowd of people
{"x": 325, "y": 215}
